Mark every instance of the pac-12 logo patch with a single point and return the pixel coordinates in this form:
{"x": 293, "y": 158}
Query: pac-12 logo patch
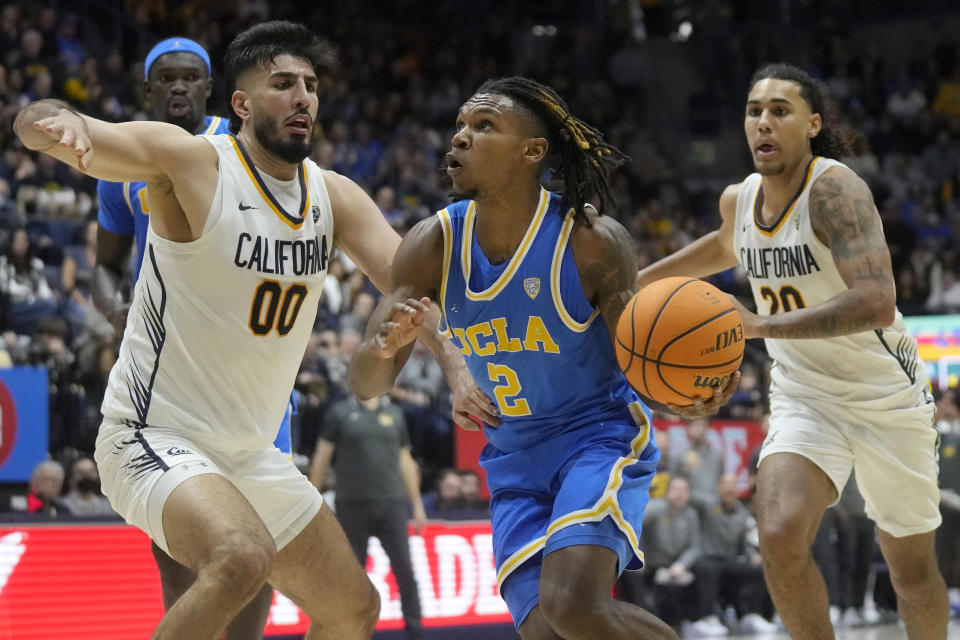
{"x": 532, "y": 287}
{"x": 315, "y": 211}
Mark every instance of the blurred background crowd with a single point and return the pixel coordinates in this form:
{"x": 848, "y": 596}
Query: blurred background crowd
{"x": 664, "y": 79}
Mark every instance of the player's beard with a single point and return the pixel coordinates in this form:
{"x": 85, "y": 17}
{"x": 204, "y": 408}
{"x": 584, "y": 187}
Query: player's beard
{"x": 772, "y": 170}
{"x": 292, "y": 150}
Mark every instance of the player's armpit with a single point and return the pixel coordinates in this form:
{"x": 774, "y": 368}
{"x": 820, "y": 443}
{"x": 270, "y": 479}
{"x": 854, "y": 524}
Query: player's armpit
{"x": 607, "y": 264}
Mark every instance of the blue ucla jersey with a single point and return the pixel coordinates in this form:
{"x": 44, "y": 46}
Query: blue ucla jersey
{"x": 531, "y": 339}
{"x": 123, "y": 205}
{"x": 124, "y": 210}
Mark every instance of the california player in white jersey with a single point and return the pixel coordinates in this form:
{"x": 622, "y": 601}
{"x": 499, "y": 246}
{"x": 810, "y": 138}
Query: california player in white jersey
{"x": 241, "y": 230}
{"x": 848, "y": 389}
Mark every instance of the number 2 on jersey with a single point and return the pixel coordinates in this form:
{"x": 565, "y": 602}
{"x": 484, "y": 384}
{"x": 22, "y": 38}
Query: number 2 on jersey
{"x": 789, "y": 299}
{"x": 272, "y": 304}
{"x": 508, "y": 387}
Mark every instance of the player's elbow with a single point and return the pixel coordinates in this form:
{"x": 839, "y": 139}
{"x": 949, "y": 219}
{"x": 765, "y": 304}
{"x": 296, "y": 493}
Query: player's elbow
{"x": 23, "y": 128}
{"x": 883, "y": 305}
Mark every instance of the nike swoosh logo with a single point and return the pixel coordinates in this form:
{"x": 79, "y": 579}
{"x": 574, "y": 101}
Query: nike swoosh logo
{"x": 246, "y": 207}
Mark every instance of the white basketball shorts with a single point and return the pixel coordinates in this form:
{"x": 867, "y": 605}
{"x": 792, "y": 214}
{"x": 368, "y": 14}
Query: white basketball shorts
{"x": 139, "y": 468}
{"x": 894, "y": 452}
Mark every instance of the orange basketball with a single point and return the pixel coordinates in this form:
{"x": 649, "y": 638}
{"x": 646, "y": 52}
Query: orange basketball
{"x": 678, "y": 338}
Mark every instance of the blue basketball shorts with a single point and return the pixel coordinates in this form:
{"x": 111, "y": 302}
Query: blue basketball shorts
{"x": 589, "y": 486}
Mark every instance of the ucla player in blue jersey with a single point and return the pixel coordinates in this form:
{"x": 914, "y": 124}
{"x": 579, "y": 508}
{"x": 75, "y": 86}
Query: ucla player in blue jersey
{"x": 531, "y": 285}
{"x": 177, "y": 83}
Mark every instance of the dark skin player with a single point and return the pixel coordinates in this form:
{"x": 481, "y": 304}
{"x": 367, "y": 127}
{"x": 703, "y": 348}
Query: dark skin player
{"x": 498, "y": 154}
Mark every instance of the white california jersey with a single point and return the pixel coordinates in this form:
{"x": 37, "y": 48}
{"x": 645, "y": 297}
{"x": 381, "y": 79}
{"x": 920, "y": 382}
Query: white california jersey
{"x": 218, "y": 326}
{"x": 789, "y": 268}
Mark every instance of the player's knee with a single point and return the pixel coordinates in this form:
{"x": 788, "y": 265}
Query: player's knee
{"x": 367, "y": 610}
{"x": 570, "y": 611}
{"x": 243, "y": 563}
{"x": 913, "y": 580}
{"x": 783, "y": 537}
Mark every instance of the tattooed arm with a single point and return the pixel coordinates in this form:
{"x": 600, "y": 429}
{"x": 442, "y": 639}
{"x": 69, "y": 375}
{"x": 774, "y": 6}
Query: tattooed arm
{"x": 845, "y": 218}
{"x": 607, "y": 264}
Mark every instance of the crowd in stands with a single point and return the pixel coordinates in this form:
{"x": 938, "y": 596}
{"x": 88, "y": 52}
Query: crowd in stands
{"x": 385, "y": 122}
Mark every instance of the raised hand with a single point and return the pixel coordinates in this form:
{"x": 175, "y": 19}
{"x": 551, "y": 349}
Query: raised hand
{"x": 401, "y": 326}
{"x": 68, "y": 130}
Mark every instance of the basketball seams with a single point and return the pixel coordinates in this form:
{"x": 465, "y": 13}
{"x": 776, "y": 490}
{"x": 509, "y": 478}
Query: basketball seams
{"x": 680, "y": 336}
{"x": 673, "y": 365}
{"x": 653, "y": 326}
{"x": 694, "y": 328}
{"x": 676, "y": 306}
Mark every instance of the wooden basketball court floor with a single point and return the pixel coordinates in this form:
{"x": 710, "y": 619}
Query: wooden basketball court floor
{"x": 498, "y": 632}
{"x": 885, "y": 632}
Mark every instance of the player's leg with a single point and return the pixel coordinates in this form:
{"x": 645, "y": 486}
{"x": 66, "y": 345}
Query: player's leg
{"x": 173, "y": 490}
{"x": 319, "y": 572}
{"x": 315, "y": 566}
{"x": 175, "y": 579}
{"x": 248, "y": 624}
{"x": 210, "y": 527}
{"x": 921, "y": 593}
{"x": 897, "y": 473}
{"x": 792, "y": 494}
{"x": 594, "y": 535}
{"x": 575, "y": 598}
{"x": 536, "y": 627}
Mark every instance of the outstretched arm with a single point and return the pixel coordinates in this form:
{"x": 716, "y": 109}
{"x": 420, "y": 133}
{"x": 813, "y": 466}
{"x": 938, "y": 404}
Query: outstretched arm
{"x": 845, "y": 218}
{"x": 180, "y": 170}
{"x": 708, "y": 254}
{"x": 119, "y": 152}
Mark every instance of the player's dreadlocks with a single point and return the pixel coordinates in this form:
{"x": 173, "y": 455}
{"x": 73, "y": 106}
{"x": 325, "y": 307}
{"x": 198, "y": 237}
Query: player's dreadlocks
{"x": 579, "y": 154}
{"x": 831, "y": 142}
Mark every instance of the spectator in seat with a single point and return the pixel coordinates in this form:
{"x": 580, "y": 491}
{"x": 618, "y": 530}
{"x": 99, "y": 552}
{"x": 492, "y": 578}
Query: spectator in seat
{"x": 84, "y": 497}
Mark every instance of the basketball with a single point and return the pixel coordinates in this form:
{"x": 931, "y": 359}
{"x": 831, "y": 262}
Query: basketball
{"x": 678, "y": 338}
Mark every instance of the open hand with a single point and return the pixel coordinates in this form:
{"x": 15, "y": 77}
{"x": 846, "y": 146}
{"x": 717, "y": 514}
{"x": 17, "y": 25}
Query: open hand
{"x": 68, "y": 130}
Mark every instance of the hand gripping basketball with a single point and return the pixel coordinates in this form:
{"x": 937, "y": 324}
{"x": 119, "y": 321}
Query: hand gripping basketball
{"x": 679, "y": 339}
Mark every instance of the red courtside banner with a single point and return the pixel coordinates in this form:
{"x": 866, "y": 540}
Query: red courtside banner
{"x": 99, "y": 582}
